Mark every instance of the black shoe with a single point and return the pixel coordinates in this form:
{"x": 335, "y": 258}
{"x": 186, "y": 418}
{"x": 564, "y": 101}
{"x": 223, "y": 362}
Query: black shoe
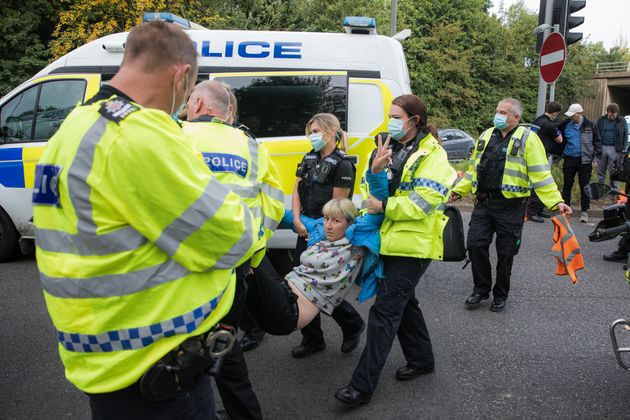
{"x": 475, "y": 299}
{"x": 545, "y": 213}
{"x": 301, "y": 351}
{"x": 352, "y": 396}
{"x": 616, "y": 257}
{"x": 351, "y": 341}
{"x": 535, "y": 218}
{"x": 498, "y": 305}
{"x": 251, "y": 340}
{"x": 407, "y": 373}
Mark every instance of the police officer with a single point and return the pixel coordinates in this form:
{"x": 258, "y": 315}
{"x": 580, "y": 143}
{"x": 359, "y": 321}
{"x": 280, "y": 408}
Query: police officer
{"x": 324, "y": 173}
{"x": 549, "y": 135}
{"x": 506, "y": 159}
{"x": 245, "y": 167}
{"x": 419, "y": 179}
{"x": 136, "y": 240}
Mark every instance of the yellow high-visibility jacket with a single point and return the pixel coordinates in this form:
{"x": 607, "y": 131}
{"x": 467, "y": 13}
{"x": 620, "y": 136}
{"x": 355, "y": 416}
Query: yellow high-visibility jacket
{"x": 136, "y": 241}
{"x": 525, "y": 166}
{"x": 244, "y": 166}
{"x": 414, "y": 215}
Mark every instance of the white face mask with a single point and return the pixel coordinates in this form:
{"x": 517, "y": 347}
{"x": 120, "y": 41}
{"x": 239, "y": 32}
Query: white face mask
{"x": 175, "y": 113}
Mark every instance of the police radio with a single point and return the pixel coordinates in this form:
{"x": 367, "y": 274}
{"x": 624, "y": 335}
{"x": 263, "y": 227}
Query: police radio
{"x": 399, "y": 159}
{"x": 481, "y": 144}
{"x": 515, "y": 146}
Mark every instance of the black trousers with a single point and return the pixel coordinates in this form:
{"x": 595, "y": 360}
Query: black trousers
{"x": 344, "y": 315}
{"x": 505, "y": 218}
{"x": 191, "y": 403}
{"x": 572, "y": 166}
{"x": 395, "y": 312}
{"x": 233, "y": 384}
{"x": 271, "y": 301}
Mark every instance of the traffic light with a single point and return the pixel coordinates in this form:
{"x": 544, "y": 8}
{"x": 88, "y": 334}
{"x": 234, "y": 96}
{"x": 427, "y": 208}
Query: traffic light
{"x": 561, "y": 16}
{"x": 562, "y": 11}
{"x": 573, "y": 21}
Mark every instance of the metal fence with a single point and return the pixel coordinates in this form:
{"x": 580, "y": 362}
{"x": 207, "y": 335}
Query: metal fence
{"x": 613, "y": 67}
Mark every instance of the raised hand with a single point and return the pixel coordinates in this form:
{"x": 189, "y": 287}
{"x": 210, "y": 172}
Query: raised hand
{"x": 383, "y": 155}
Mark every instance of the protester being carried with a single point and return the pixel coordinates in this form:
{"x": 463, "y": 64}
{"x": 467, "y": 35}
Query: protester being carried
{"x": 320, "y": 283}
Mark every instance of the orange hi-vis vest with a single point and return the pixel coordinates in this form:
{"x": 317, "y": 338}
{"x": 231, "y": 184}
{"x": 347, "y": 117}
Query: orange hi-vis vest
{"x": 566, "y": 248}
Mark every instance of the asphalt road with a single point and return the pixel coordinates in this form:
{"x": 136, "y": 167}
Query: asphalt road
{"x": 548, "y": 355}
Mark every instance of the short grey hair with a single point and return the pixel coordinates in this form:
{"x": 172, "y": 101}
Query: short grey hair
{"x": 515, "y": 105}
{"x": 215, "y": 96}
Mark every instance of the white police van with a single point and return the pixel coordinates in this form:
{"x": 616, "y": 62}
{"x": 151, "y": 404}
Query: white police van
{"x": 281, "y": 79}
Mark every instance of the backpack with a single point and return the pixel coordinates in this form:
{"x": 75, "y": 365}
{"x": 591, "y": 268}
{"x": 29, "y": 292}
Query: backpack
{"x": 453, "y": 235}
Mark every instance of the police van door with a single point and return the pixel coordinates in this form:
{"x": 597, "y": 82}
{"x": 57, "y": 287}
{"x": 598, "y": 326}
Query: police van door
{"x": 29, "y": 116}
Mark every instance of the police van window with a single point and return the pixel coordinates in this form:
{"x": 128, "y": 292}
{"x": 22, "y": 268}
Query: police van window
{"x": 16, "y": 117}
{"x": 366, "y": 108}
{"x": 56, "y": 100}
{"x": 275, "y": 106}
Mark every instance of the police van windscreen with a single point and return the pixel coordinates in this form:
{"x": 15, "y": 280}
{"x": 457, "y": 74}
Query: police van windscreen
{"x": 275, "y": 106}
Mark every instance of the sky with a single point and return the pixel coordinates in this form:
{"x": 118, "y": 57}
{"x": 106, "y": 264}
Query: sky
{"x": 604, "y": 20}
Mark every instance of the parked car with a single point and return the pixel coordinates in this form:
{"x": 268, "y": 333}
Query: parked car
{"x": 457, "y": 143}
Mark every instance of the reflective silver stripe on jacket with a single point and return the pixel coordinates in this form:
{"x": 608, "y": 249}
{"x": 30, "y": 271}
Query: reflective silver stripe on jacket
{"x": 193, "y": 217}
{"x": 230, "y": 258}
{"x": 544, "y": 182}
{"x": 538, "y": 168}
{"x": 272, "y": 191}
{"x": 269, "y": 223}
{"x": 87, "y": 242}
{"x": 517, "y": 174}
{"x": 516, "y": 159}
{"x": 110, "y": 285}
{"x": 420, "y": 202}
{"x": 139, "y": 337}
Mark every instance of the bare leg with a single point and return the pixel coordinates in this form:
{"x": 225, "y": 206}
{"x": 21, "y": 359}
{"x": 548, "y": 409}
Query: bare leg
{"x": 306, "y": 310}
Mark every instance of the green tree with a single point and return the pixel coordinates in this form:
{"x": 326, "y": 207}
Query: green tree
{"x": 83, "y": 21}
{"x": 25, "y": 29}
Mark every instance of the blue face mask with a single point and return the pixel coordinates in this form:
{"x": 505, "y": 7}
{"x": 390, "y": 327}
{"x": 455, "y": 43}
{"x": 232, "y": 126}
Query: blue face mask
{"x": 317, "y": 140}
{"x": 395, "y": 128}
{"x": 500, "y": 121}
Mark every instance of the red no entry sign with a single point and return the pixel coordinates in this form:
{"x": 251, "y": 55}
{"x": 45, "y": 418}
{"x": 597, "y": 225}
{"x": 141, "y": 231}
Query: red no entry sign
{"x": 552, "y": 56}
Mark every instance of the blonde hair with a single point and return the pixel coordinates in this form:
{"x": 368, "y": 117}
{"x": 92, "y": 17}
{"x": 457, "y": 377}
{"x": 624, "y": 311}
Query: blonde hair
{"x": 329, "y": 122}
{"x": 340, "y": 207}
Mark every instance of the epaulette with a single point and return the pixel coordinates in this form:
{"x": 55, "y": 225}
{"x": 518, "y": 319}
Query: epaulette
{"x": 116, "y": 109}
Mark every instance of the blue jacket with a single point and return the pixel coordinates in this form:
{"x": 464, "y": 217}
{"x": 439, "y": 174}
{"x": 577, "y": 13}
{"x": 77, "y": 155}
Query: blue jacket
{"x": 364, "y": 232}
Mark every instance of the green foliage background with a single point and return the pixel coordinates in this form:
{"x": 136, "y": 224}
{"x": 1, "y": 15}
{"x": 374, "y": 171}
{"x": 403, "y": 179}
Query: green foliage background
{"x": 461, "y": 59}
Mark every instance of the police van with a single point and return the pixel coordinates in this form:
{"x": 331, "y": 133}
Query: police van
{"x": 281, "y": 79}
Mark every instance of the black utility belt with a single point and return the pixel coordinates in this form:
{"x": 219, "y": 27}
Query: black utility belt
{"x": 181, "y": 367}
{"x": 497, "y": 195}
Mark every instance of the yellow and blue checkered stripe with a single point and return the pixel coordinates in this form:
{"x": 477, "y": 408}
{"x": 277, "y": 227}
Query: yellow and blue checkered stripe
{"x": 17, "y": 166}
{"x": 138, "y": 338}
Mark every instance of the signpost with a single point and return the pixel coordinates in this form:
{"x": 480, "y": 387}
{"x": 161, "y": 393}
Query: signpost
{"x": 553, "y": 54}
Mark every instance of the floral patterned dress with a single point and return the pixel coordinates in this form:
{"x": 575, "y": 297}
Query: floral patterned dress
{"x": 326, "y": 272}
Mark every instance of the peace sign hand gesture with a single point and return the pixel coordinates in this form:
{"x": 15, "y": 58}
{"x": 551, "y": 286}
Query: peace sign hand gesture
{"x": 383, "y": 155}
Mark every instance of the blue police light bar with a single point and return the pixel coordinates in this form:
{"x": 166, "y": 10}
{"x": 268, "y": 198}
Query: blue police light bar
{"x": 359, "y": 25}
{"x": 167, "y": 17}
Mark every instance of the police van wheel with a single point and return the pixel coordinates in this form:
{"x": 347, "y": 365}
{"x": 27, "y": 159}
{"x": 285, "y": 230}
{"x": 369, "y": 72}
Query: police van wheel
{"x": 8, "y": 238}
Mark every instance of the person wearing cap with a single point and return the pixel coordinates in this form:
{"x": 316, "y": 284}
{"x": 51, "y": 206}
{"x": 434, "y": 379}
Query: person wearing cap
{"x": 613, "y": 131}
{"x": 581, "y": 144}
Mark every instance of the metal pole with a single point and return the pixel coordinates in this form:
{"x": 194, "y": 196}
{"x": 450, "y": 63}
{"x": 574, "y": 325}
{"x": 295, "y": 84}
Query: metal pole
{"x": 542, "y": 86}
{"x": 552, "y": 88}
{"x": 392, "y": 21}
